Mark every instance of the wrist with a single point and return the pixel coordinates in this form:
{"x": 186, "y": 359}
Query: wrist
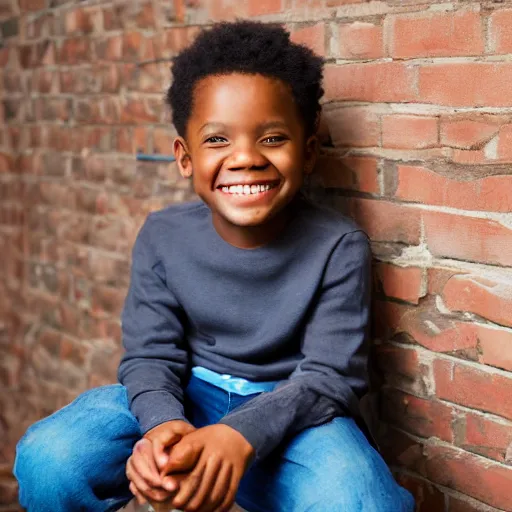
{"x": 247, "y": 449}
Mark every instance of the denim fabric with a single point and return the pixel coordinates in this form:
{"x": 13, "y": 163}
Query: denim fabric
{"x": 75, "y": 459}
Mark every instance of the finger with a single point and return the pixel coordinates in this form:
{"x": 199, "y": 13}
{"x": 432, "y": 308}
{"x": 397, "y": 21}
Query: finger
{"x": 229, "y": 498}
{"x": 144, "y": 463}
{"x": 183, "y": 458}
{"x": 161, "y": 448}
{"x": 202, "y": 494}
{"x": 219, "y": 490}
{"x": 189, "y": 486}
{"x": 138, "y": 496}
{"x": 142, "y": 485}
{"x": 162, "y": 507}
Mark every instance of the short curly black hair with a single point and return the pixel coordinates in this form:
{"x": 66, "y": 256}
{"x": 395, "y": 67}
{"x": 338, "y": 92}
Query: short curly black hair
{"x": 247, "y": 47}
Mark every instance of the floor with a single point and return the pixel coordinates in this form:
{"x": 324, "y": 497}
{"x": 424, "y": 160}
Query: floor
{"x": 133, "y": 507}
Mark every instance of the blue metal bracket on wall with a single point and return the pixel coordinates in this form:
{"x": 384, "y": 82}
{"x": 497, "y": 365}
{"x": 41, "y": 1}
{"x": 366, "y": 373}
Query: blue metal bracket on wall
{"x": 155, "y": 158}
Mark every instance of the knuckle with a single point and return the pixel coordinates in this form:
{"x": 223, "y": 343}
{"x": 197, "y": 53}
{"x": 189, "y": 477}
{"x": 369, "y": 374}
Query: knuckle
{"x": 178, "y": 502}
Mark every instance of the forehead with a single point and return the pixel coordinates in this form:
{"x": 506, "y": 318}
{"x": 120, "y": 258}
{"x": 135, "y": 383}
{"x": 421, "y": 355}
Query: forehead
{"x": 237, "y": 97}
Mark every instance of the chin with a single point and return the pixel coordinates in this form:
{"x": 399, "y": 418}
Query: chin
{"x": 247, "y": 221}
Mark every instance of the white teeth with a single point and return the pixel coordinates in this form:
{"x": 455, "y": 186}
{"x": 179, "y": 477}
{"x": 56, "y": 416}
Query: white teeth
{"x": 246, "y": 189}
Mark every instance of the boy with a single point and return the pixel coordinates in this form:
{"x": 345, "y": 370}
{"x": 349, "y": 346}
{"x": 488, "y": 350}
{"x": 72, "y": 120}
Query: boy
{"x": 245, "y": 325}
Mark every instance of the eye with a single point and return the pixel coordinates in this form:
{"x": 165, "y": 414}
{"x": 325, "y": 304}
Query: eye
{"x": 215, "y": 139}
{"x": 274, "y": 139}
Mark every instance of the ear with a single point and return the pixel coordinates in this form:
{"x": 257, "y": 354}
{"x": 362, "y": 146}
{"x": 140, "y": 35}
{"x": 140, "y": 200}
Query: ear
{"x": 311, "y": 153}
{"x": 182, "y": 157}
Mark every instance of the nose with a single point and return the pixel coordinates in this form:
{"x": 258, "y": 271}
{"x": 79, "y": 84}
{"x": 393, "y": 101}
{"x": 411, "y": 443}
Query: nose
{"x": 246, "y": 156}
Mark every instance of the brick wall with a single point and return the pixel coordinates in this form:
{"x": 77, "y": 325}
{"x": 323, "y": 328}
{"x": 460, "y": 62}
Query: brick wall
{"x": 419, "y": 113}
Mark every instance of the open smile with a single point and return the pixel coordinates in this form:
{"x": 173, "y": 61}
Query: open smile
{"x": 248, "y": 189}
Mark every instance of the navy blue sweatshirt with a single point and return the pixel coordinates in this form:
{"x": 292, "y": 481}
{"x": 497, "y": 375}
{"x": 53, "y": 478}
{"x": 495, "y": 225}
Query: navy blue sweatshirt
{"x": 295, "y": 310}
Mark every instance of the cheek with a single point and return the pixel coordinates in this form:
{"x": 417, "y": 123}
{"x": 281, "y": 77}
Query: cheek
{"x": 206, "y": 164}
{"x": 289, "y": 163}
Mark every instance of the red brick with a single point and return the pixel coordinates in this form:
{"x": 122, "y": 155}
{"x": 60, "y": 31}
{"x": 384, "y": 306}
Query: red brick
{"x": 496, "y": 347}
{"x": 110, "y": 49}
{"x": 468, "y": 238}
{"x": 403, "y": 283}
{"x": 492, "y": 194}
{"x": 40, "y": 26}
{"x": 137, "y": 111}
{"x": 162, "y": 140}
{"x": 504, "y": 149}
{"x": 146, "y": 16}
{"x": 419, "y": 416}
{"x": 78, "y": 21}
{"x": 399, "y": 361}
{"x": 148, "y": 78}
{"x": 428, "y": 498}
{"x": 222, "y": 10}
{"x": 500, "y": 36}
{"x": 312, "y": 36}
{"x": 4, "y": 56}
{"x": 176, "y": 39}
{"x": 431, "y": 330}
{"x": 374, "y": 82}
{"x": 409, "y": 132}
{"x": 401, "y": 450}
{"x": 6, "y": 163}
{"x": 441, "y": 34}
{"x": 489, "y": 299}
{"x": 353, "y": 126}
{"x": 469, "y": 157}
{"x": 308, "y": 4}
{"x": 32, "y": 5}
{"x": 259, "y": 7}
{"x": 133, "y": 45}
{"x": 485, "y": 436}
{"x": 107, "y": 300}
{"x": 385, "y": 221}
{"x": 349, "y": 172}
{"x": 485, "y": 84}
{"x": 75, "y": 51}
{"x": 402, "y": 368}
{"x": 427, "y": 327}
{"x": 470, "y": 474}
{"x": 476, "y": 388}
{"x": 180, "y": 9}
{"x": 334, "y": 3}
{"x": 359, "y": 40}
{"x": 467, "y": 133}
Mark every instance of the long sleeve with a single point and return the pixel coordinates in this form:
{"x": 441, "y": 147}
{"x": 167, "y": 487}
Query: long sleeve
{"x": 332, "y": 375}
{"x": 155, "y": 360}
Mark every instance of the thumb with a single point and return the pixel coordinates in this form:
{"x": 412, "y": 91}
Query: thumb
{"x": 160, "y": 445}
{"x": 183, "y": 458}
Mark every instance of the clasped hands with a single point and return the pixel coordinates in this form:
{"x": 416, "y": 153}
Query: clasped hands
{"x": 195, "y": 470}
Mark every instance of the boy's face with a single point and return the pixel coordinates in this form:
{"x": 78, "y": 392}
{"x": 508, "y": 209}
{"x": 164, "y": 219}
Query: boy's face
{"x": 245, "y": 148}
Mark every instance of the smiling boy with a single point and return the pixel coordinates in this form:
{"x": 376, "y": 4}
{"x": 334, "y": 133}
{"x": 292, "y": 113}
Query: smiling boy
{"x": 245, "y": 325}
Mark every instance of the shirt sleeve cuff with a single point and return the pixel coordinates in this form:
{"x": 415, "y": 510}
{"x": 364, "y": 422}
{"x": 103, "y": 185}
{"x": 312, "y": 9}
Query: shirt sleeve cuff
{"x": 155, "y": 407}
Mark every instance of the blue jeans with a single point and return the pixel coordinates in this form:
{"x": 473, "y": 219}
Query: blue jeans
{"x": 74, "y": 460}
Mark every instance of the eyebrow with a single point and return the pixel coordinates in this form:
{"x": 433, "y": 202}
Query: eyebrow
{"x": 214, "y": 126}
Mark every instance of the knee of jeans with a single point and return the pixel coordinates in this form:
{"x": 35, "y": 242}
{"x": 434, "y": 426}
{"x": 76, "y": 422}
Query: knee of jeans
{"x": 363, "y": 488}
{"x": 43, "y": 456}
